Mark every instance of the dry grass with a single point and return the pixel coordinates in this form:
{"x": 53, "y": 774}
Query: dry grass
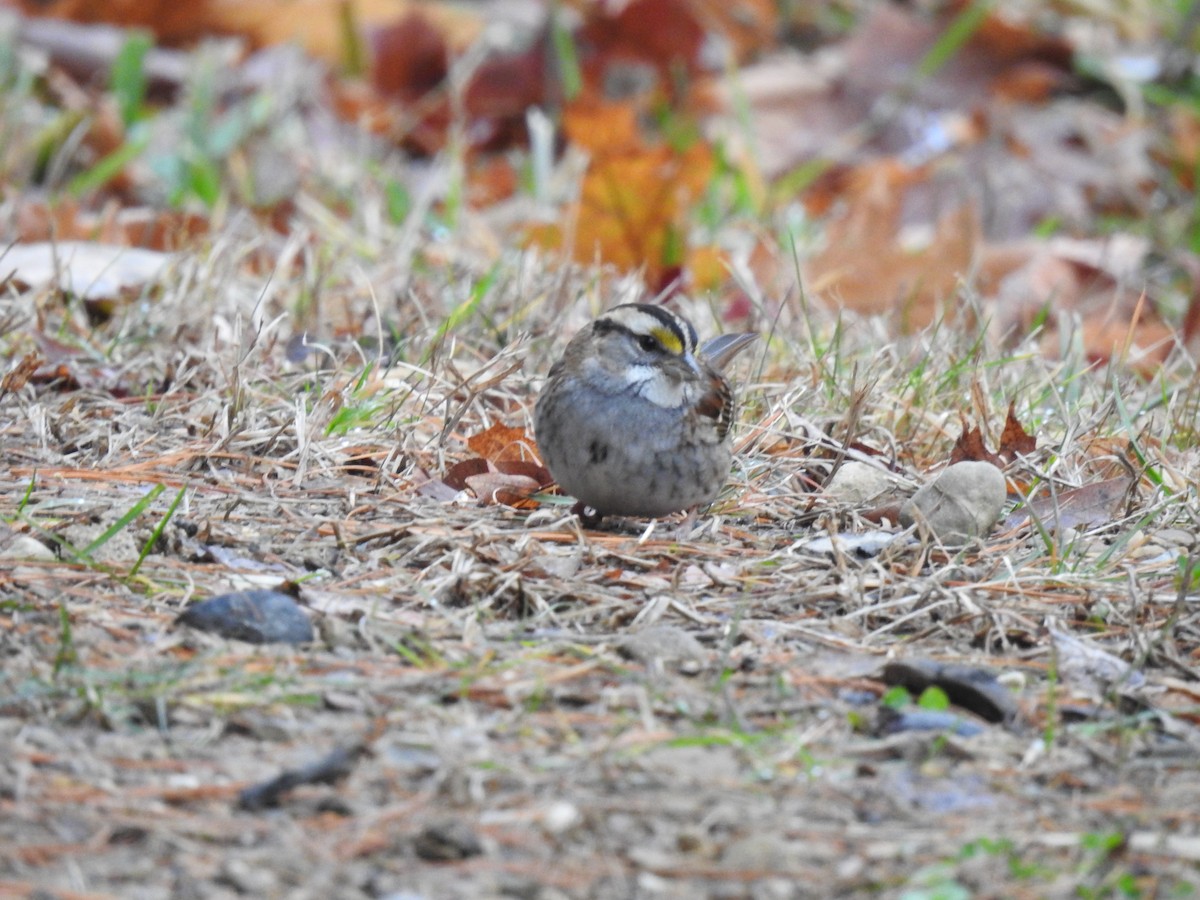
{"x": 645, "y": 711}
{"x": 485, "y": 658}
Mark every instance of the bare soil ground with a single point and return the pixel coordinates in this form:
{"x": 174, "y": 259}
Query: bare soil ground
{"x": 526, "y": 708}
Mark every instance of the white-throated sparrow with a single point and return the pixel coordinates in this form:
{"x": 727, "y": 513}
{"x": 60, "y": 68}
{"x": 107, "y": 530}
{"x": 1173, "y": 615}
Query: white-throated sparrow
{"x": 634, "y": 419}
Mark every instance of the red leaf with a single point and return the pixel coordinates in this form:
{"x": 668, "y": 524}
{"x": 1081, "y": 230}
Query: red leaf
{"x": 1015, "y": 440}
{"x": 456, "y": 476}
{"x": 971, "y": 448}
{"x": 411, "y": 58}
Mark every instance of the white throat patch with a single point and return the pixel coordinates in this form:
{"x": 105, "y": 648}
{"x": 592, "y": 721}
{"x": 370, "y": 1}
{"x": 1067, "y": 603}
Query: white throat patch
{"x": 652, "y": 384}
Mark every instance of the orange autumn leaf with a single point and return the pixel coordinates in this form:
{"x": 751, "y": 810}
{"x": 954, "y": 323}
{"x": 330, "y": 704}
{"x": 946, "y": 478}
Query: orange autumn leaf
{"x": 635, "y": 196}
{"x": 490, "y": 180}
{"x": 600, "y": 126}
{"x": 503, "y": 442}
{"x": 708, "y": 268}
{"x": 169, "y": 20}
{"x": 748, "y": 25}
{"x": 866, "y": 265}
{"x": 633, "y": 205}
{"x": 320, "y": 25}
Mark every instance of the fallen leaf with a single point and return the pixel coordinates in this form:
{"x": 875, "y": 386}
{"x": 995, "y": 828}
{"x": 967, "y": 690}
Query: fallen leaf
{"x": 869, "y": 266}
{"x": 970, "y": 447}
{"x": 320, "y": 25}
{"x": 825, "y": 107}
{"x": 88, "y": 270}
{"x": 1090, "y": 504}
{"x": 503, "y": 442}
{"x": 18, "y": 376}
{"x": 665, "y": 34}
{"x": 410, "y": 57}
{"x": 526, "y": 468}
{"x": 1064, "y": 280}
{"x": 635, "y": 195}
{"x": 1082, "y": 664}
{"x": 149, "y": 229}
{"x": 169, "y": 20}
{"x": 497, "y": 487}
{"x": 506, "y": 471}
{"x": 456, "y": 476}
{"x": 1015, "y": 440}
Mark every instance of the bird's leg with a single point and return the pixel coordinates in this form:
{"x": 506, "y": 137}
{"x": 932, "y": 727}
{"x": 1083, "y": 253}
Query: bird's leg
{"x": 684, "y": 530}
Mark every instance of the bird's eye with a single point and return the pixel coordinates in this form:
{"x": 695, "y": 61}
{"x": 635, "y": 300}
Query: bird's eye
{"x": 647, "y": 342}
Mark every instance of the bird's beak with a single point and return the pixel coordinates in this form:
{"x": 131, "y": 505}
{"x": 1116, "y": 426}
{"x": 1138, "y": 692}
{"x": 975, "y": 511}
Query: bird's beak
{"x": 724, "y": 347}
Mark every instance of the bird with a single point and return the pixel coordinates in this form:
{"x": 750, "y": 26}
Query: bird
{"x": 634, "y": 419}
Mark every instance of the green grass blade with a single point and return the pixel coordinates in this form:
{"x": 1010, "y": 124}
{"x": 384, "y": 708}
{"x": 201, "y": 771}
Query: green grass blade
{"x": 28, "y": 493}
{"x": 109, "y": 167}
{"x": 127, "y": 78}
{"x": 566, "y": 57}
{"x": 964, "y": 26}
{"x": 118, "y": 526}
{"x": 158, "y": 530}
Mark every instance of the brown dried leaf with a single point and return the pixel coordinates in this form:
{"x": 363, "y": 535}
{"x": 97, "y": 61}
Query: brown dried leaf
{"x": 867, "y": 266}
{"x": 496, "y": 487}
{"x": 971, "y": 447}
{"x": 436, "y": 490}
{"x": 503, "y": 442}
{"x": 18, "y": 376}
{"x": 319, "y": 25}
{"x": 661, "y": 33}
{"x": 410, "y": 57}
{"x": 536, "y": 471}
{"x": 1015, "y": 440}
{"x": 169, "y": 20}
{"x": 814, "y": 108}
{"x": 1089, "y": 504}
{"x": 456, "y": 476}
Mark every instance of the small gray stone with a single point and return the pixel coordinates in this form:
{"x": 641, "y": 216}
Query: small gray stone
{"x": 762, "y": 851}
{"x": 22, "y": 546}
{"x": 961, "y": 504}
{"x": 894, "y": 721}
{"x": 857, "y": 482}
{"x": 442, "y": 841}
{"x": 670, "y": 645}
{"x": 972, "y": 688}
{"x": 258, "y": 617}
{"x": 247, "y": 877}
{"x": 1177, "y": 536}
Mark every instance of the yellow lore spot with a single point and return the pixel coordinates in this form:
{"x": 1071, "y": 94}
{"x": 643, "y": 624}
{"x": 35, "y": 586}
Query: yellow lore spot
{"x": 668, "y": 339}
